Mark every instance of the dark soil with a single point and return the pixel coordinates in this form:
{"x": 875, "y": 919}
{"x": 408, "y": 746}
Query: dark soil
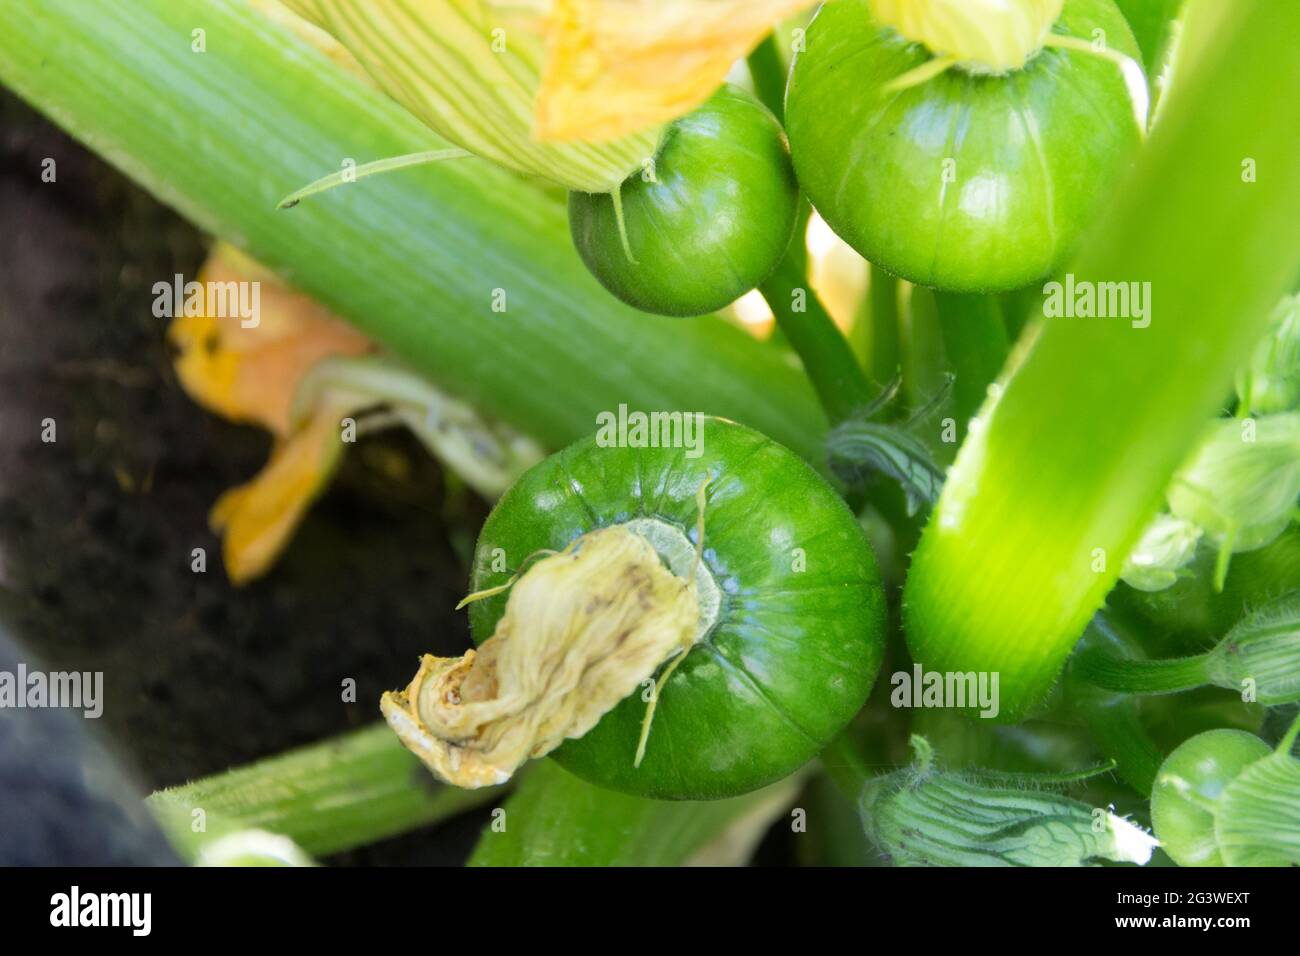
{"x": 97, "y": 528}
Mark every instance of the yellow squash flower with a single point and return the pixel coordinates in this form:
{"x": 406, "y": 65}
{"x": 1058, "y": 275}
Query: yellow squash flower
{"x": 993, "y": 36}
{"x": 257, "y": 519}
{"x": 469, "y": 69}
{"x": 576, "y": 92}
{"x": 248, "y": 374}
{"x": 617, "y": 66}
{"x": 303, "y": 374}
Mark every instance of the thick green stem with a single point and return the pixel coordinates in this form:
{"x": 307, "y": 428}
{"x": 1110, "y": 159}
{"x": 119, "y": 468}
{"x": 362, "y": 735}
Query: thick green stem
{"x": 846, "y": 767}
{"x": 1047, "y": 498}
{"x": 921, "y": 350}
{"x": 462, "y": 269}
{"x": 328, "y": 797}
{"x": 1114, "y": 719}
{"x": 767, "y": 68}
{"x": 975, "y": 342}
{"x": 883, "y": 298}
{"x": 1143, "y": 677}
{"x": 831, "y": 366}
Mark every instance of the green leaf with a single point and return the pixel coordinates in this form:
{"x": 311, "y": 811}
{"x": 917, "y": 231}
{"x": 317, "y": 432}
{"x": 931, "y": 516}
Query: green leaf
{"x": 1051, "y": 492}
{"x": 1152, "y": 22}
{"x": 555, "y": 819}
{"x": 857, "y": 448}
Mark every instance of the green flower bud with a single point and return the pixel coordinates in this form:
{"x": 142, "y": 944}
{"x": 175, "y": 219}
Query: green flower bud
{"x": 1271, "y": 382}
{"x": 1241, "y": 484}
{"x": 1166, "y": 546}
{"x": 1258, "y": 819}
{"x": 1264, "y": 650}
{"x": 923, "y": 816}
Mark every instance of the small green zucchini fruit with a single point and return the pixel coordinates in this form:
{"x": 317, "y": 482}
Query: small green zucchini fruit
{"x": 648, "y": 664}
{"x": 1225, "y": 798}
{"x": 953, "y": 172}
{"x": 703, "y": 224}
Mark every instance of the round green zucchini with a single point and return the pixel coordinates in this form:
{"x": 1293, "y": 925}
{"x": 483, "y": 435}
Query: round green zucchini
{"x": 791, "y": 612}
{"x": 706, "y": 223}
{"x": 968, "y": 181}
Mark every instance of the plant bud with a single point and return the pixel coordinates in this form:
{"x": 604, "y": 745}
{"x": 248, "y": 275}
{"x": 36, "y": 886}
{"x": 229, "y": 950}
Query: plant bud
{"x": 1271, "y": 382}
{"x": 984, "y": 36}
{"x": 1265, "y": 649}
{"x": 1167, "y": 545}
{"x": 923, "y": 816}
{"x": 1241, "y": 484}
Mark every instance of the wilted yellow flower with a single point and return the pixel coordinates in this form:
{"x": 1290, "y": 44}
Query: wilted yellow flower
{"x": 300, "y": 372}
{"x": 257, "y": 519}
{"x": 574, "y": 91}
{"x": 249, "y": 374}
{"x": 581, "y": 631}
{"x": 470, "y": 70}
{"x": 617, "y": 66}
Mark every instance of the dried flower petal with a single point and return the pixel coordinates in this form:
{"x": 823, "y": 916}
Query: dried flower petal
{"x": 581, "y": 631}
{"x": 257, "y": 519}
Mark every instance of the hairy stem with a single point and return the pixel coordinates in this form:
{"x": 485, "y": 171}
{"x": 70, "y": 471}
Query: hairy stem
{"x": 331, "y": 796}
{"x": 1143, "y": 677}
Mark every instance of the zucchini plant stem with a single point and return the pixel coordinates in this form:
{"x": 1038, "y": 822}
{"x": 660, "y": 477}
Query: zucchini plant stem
{"x": 975, "y": 342}
{"x": 1143, "y": 677}
{"x": 846, "y": 767}
{"x": 331, "y": 796}
{"x": 883, "y": 298}
{"x": 1113, "y": 719}
{"x": 835, "y": 374}
{"x": 767, "y": 69}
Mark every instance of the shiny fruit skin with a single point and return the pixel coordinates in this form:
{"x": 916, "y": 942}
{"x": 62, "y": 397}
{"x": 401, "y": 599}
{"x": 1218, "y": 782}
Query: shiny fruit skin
{"x": 1209, "y": 762}
{"x": 966, "y": 183}
{"x": 793, "y": 654}
{"x": 713, "y": 223}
